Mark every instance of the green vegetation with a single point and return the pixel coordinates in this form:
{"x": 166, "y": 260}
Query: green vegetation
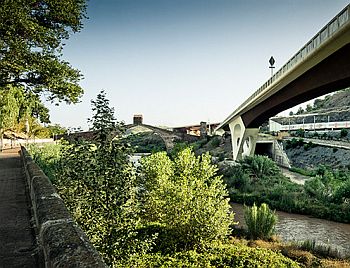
{"x": 324, "y": 196}
{"x": 32, "y": 35}
{"x": 147, "y": 142}
{"x": 186, "y": 199}
{"x": 296, "y": 143}
{"x": 32, "y": 38}
{"x": 260, "y": 221}
{"x": 343, "y": 133}
{"x": 170, "y": 213}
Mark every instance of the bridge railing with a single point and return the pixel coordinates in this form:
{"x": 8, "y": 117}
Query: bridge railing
{"x": 335, "y": 25}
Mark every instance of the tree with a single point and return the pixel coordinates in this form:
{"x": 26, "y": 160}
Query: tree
{"x": 186, "y": 198}
{"x": 17, "y": 106}
{"x": 300, "y": 111}
{"x": 31, "y": 42}
{"x": 309, "y": 108}
{"x": 97, "y": 183}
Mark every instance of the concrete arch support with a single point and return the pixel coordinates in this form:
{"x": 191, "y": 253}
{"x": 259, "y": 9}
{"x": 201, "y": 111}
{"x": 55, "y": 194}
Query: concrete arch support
{"x": 243, "y": 139}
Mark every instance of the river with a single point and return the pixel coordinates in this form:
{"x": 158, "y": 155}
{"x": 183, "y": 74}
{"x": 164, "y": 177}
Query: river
{"x": 295, "y": 227}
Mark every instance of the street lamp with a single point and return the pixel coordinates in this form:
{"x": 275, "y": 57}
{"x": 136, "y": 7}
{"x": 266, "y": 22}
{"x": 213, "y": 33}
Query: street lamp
{"x": 272, "y": 62}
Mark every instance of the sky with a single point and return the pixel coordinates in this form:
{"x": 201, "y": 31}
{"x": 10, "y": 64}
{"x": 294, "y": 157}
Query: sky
{"x": 179, "y": 62}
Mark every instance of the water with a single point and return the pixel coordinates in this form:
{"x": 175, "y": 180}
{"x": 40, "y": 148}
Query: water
{"x": 295, "y": 227}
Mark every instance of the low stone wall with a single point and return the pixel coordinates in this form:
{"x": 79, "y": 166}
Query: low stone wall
{"x": 62, "y": 242}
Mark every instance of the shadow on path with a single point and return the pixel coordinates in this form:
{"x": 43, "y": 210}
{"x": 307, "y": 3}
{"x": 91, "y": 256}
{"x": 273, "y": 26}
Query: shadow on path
{"x": 17, "y": 240}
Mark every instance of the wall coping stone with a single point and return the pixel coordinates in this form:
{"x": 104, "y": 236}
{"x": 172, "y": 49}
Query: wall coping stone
{"x": 61, "y": 240}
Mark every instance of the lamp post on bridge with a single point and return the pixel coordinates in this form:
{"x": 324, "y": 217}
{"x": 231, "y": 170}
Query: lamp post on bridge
{"x": 272, "y": 62}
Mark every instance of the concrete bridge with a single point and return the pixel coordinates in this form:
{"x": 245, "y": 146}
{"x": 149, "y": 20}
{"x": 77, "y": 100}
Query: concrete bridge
{"x": 320, "y": 67}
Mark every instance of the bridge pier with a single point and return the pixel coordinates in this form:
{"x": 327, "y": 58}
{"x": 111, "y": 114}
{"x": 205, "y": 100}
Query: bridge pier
{"x": 243, "y": 139}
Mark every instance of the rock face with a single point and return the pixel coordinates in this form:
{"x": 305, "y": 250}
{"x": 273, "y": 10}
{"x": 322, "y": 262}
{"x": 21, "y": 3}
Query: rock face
{"x": 317, "y": 155}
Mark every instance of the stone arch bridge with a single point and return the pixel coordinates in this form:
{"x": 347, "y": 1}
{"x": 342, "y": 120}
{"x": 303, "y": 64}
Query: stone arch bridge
{"x": 169, "y": 137}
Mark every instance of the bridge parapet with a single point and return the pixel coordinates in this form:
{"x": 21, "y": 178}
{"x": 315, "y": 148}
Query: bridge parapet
{"x": 340, "y": 22}
{"x": 62, "y": 242}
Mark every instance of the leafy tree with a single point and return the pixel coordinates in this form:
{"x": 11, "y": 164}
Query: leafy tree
{"x": 300, "y": 111}
{"x": 98, "y": 185}
{"x": 17, "y": 106}
{"x": 32, "y": 34}
{"x": 187, "y": 199}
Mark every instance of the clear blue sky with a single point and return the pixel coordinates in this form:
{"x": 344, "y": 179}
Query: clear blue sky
{"x": 179, "y": 62}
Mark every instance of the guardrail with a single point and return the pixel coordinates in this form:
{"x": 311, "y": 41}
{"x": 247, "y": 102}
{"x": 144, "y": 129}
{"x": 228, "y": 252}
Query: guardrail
{"x": 62, "y": 242}
{"x": 335, "y": 25}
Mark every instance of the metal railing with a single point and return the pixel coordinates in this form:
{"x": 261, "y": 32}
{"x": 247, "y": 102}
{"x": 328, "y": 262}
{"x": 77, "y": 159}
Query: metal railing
{"x": 337, "y": 23}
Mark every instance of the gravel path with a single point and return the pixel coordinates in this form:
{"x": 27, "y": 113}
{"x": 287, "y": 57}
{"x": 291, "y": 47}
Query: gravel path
{"x": 17, "y": 244}
{"x": 295, "y": 177}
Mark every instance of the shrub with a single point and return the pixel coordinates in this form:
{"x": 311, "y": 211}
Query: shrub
{"x": 48, "y": 158}
{"x": 260, "y": 221}
{"x": 214, "y": 142}
{"x": 185, "y": 197}
{"x": 226, "y": 255}
{"x": 259, "y": 166}
{"x": 343, "y": 133}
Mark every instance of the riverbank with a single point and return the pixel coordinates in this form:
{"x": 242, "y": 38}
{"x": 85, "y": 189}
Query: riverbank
{"x": 299, "y": 228}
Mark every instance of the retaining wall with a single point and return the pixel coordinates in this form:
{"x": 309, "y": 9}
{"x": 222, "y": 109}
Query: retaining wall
{"x": 62, "y": 242}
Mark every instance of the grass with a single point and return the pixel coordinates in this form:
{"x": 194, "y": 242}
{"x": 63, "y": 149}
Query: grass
{"x": 310, "y": 256}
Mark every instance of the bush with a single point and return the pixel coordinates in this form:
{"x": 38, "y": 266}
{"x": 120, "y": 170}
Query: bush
{"x": 343, "y": 133}
{"x": 260, "y": 221}
{"x": 259, "y": 166}
{"x": 186, "y": 198}
{"x": 226, "y": 255}
{"x": 48, "y": 158}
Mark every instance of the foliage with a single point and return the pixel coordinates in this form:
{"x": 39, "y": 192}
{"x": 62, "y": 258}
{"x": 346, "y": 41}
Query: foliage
{"x": 324, "y": 196}
{"x": 304, "y": 172}
{"x": 97, "y": 183}
{"x": 343, "y": 133}
{"x": 186, "y": 198}
{"x": 32, "y": 35}
{"x": 308, "y": 145}
{"x": 146, "y": 142}
{"x": 48, "y": 158}
{"x": 218, "y": 255}
{"x": 260, "y": 221}
{"x": 259, "y": 166}
{"x": 300, "y": 133}
{"x": 294, "y": 143}
{"x": 178, "y": 147}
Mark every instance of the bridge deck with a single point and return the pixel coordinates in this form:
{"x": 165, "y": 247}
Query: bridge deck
{"x": 17, "y": 241}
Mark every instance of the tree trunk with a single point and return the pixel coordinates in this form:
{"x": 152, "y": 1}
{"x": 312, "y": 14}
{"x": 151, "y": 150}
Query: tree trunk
{"x": 1, "y": 139}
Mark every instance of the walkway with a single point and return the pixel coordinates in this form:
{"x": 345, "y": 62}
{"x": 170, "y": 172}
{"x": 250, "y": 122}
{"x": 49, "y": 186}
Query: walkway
{"x": 17, "y": 243}
{"x": 294, "y": 177}
{"x": 330, "y": 143}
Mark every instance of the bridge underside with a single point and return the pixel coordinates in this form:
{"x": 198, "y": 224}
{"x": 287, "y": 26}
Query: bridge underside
{"x": 331, "y": 74}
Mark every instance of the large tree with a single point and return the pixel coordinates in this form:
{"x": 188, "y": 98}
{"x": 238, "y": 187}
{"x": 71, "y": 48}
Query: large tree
{"x": 32, "y": 34}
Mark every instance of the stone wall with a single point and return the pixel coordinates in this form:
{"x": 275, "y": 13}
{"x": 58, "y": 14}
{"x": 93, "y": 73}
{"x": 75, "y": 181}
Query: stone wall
{"x": 62, "y": 242}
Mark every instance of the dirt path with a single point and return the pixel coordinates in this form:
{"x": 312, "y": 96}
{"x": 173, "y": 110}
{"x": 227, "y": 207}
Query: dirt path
{"x": 294, "y": 177}
{"x": 17, "y": 243}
